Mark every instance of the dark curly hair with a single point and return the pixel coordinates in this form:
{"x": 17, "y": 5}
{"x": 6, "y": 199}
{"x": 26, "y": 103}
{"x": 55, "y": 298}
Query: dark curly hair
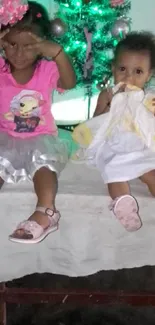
{"x": 138, "y": 42}
{"x": 36, "y": 19}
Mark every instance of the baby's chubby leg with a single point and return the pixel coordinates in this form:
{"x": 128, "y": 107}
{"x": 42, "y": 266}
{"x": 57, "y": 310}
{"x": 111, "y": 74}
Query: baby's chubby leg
{"x": 149, "y": 180}
{"x": 118, "y": 189}
{"x": 124, "y": 206}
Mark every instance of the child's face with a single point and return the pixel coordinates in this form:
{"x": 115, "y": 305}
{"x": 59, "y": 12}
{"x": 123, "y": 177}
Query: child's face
{"x": 16, "y": 52}
{"x": 132, "y": 68}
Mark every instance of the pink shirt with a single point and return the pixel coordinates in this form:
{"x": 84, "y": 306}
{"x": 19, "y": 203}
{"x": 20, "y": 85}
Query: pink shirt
{"x": 25, "y": 110}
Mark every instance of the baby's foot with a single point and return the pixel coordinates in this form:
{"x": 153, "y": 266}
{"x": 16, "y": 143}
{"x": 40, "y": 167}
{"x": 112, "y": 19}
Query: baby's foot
{"x": 42, "y": 222}
{"x": 125, "y": 208}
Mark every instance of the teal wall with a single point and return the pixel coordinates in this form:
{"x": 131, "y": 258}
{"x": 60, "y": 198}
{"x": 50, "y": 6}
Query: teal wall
{"x": 143, "y": 15}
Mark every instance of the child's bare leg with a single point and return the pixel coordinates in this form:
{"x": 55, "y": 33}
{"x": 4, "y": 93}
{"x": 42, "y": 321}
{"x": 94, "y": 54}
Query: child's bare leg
{"x": 124, "y": 206}
{"x": 118, "y": 189}
{"x": 149, "y": 180}
{"x": 45, "y": 186}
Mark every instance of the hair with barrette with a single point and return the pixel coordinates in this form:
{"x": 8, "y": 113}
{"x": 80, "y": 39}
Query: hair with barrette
{"x": 36, "y": 19}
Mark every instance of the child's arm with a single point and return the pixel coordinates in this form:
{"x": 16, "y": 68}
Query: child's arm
{"x": 104, "y": 100}
{"x": 103, "y": 103}
{"x": 67, "y": 75}
{"x": 47, "y": 48}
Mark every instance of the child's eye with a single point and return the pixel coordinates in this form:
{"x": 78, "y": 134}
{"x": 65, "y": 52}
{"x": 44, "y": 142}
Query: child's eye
{"x": 12, "y": 44}
{"x": 122, "y": 69}
{"x": 139, "y": 71}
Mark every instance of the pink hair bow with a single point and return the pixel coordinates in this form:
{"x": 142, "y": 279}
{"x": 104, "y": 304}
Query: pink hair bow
{"x": 12, "y": 10}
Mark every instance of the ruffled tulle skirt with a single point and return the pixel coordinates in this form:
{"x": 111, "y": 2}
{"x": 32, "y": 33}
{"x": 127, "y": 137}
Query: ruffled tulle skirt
{"x": 21, "y": 158}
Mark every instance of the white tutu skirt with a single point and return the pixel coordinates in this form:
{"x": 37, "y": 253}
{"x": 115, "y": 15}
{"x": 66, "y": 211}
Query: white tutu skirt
{"x": 122, "y": 159}
{"x": 21, "y": 158}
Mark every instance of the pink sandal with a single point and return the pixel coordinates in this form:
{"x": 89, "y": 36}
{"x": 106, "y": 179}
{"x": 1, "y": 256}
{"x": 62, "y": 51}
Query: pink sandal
{"x": 33, "y": 231}
{"x": 125, "y": 208}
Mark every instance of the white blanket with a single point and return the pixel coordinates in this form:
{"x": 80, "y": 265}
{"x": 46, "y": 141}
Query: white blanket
{"x": 89, "y": 238}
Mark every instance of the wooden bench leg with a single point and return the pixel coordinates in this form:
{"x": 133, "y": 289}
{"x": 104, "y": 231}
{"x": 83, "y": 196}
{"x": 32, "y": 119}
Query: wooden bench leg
{"x": 2, "y": 306}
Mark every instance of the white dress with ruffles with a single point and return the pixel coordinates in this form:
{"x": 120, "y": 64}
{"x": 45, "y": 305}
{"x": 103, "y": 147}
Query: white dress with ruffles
{"x": 122, "y": 147}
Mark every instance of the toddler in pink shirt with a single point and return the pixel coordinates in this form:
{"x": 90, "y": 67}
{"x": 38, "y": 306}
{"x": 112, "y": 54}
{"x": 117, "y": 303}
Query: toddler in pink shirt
{"x": 29, "y": 145}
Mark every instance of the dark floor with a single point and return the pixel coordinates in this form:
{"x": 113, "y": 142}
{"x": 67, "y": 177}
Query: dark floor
{"x": 134, "y": 280}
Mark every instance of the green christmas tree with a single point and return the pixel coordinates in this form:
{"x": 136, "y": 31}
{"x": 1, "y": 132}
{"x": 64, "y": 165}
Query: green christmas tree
{"x": 105, "y": 21}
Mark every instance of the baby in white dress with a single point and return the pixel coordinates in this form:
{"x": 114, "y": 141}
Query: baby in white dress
{"x": 121, "y": 143}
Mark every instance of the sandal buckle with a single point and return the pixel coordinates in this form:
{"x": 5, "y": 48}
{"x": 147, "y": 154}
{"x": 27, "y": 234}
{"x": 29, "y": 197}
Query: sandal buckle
{"x": 49, "y": 212}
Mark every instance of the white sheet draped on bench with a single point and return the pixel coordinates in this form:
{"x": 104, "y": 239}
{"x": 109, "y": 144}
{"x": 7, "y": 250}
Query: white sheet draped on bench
{"x": 89, "y": 238}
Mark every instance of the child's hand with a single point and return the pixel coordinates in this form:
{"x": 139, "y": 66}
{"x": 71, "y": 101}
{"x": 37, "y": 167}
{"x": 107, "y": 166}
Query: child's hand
{"x": 44, "y": 47}
{"x": 3, "y": 43}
